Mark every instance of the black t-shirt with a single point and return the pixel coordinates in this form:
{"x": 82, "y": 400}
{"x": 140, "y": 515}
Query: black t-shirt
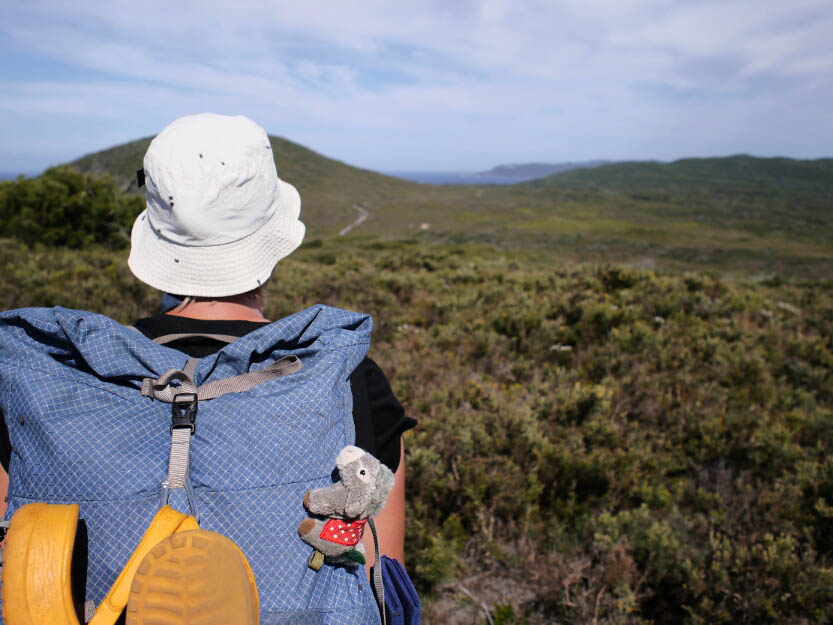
{"x": 378, "y": 416}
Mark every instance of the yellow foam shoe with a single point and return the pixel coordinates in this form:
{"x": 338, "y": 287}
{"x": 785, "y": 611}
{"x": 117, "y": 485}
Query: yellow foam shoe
{"x": 166, "y": 522}
{"x": 37, "y": 566}
{"x": 193, "y": 578}
{"x": 39, "y": 554}
{"x": 177, "y": 570}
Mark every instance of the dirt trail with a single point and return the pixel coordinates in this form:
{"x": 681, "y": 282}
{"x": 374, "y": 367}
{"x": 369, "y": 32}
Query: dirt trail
{"x": 363, "y": 214}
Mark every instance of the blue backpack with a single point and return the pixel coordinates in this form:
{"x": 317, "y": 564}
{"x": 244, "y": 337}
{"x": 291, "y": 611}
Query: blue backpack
{"x": 81, "y": 397}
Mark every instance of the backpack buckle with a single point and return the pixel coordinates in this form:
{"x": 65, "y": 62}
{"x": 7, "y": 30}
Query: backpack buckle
{"x": 184, "y": 412}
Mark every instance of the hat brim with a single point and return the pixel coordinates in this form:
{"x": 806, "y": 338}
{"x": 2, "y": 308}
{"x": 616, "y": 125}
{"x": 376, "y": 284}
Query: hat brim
{"x": 217, "y": 270}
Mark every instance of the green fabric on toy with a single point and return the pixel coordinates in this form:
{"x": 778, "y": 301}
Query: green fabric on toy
{"x": 347, "y": 505}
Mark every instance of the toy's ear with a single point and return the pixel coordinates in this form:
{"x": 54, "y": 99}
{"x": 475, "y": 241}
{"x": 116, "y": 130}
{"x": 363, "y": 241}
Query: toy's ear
{"x": 360, "y": 479}
{"x": 384, "y": 484}
{"x": 347, "y": 455}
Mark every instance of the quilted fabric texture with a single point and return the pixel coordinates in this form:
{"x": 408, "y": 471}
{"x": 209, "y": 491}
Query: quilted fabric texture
{"x": 81, "y": 432}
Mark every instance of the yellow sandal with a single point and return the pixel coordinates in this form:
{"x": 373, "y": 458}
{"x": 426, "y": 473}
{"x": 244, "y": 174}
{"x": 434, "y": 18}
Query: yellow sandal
{"x": 38, "y": 584}
{"x": 191, "y": 578}
{"x": 166, "y": 522}
{"x": 37, "y": 566}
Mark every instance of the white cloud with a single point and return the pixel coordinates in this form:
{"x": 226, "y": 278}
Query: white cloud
{"x": 599, "y": 78}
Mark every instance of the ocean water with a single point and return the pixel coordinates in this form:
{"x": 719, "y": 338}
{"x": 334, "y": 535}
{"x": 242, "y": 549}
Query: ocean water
{"x": 8, "y": 175}
{"x": 454, "y": 177}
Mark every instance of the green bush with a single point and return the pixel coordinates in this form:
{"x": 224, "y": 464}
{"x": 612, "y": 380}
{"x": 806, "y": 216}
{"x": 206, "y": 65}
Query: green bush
{"x": 595, "y": 444}
{"x": 65, "y": 208}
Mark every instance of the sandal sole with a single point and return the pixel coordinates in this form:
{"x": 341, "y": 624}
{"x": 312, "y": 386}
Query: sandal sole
{"x": 194, "y": 577}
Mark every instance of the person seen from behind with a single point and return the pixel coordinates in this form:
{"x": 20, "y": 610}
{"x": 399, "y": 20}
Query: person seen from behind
{"x": 213, "y": 232}
{"x": 217, "y": 221}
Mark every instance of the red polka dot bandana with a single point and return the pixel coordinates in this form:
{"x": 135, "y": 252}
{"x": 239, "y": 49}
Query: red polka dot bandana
{"x": 343, "y": 532}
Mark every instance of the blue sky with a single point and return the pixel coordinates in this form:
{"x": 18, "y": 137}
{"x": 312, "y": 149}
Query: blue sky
{"x": 425, "y": 85}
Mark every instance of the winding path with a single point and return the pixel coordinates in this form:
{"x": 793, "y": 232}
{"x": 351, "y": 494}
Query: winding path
{"x": 363, "y": 214}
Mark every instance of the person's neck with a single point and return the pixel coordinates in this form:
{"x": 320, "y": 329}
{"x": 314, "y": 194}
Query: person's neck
{"x": 227, "y": 309}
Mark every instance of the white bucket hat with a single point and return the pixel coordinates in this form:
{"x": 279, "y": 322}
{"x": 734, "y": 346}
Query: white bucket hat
{"x": 218, "y": 218}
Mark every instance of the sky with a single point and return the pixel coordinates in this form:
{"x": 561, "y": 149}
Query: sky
{"x": 424, "y": 85}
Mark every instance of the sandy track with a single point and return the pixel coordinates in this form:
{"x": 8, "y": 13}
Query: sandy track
{"x": 363, "y": 214}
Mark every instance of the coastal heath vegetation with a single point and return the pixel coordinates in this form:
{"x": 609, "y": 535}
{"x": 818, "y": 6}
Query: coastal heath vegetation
{"x": 596, "y": 444}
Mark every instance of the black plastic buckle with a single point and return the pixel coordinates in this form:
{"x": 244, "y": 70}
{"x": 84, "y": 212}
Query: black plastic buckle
{"x": 186, "y": 402}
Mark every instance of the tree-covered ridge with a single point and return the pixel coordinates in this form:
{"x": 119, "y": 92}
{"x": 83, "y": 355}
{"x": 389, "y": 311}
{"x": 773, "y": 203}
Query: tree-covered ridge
{"x": 596, "y": 444}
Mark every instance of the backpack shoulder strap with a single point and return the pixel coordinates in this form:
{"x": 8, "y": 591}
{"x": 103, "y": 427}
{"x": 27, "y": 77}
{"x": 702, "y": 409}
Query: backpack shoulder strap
{"x": 170, "y": 338}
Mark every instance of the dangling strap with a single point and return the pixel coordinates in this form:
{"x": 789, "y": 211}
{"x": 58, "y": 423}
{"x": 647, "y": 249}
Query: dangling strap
{"x": 89, "y": 610}
{"x": 378, "y": 586}
{"x": 184, "y": 398}
{"x": 183, "y": 425}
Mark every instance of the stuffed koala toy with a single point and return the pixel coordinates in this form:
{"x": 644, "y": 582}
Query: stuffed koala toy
{"x": 360, "y": 494}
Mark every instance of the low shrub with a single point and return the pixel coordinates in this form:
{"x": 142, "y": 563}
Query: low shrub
{"x": 596, "y": 445}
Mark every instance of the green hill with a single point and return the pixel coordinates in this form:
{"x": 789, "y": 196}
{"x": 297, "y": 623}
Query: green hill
{"x": 728, "y": 174}
{"x": 740, "y": 214}
{"x": 306, "y": 169}
{"x": 761, "y": 194}
{"x": 328, "y": 188}
{"x": 734, "y": 213}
